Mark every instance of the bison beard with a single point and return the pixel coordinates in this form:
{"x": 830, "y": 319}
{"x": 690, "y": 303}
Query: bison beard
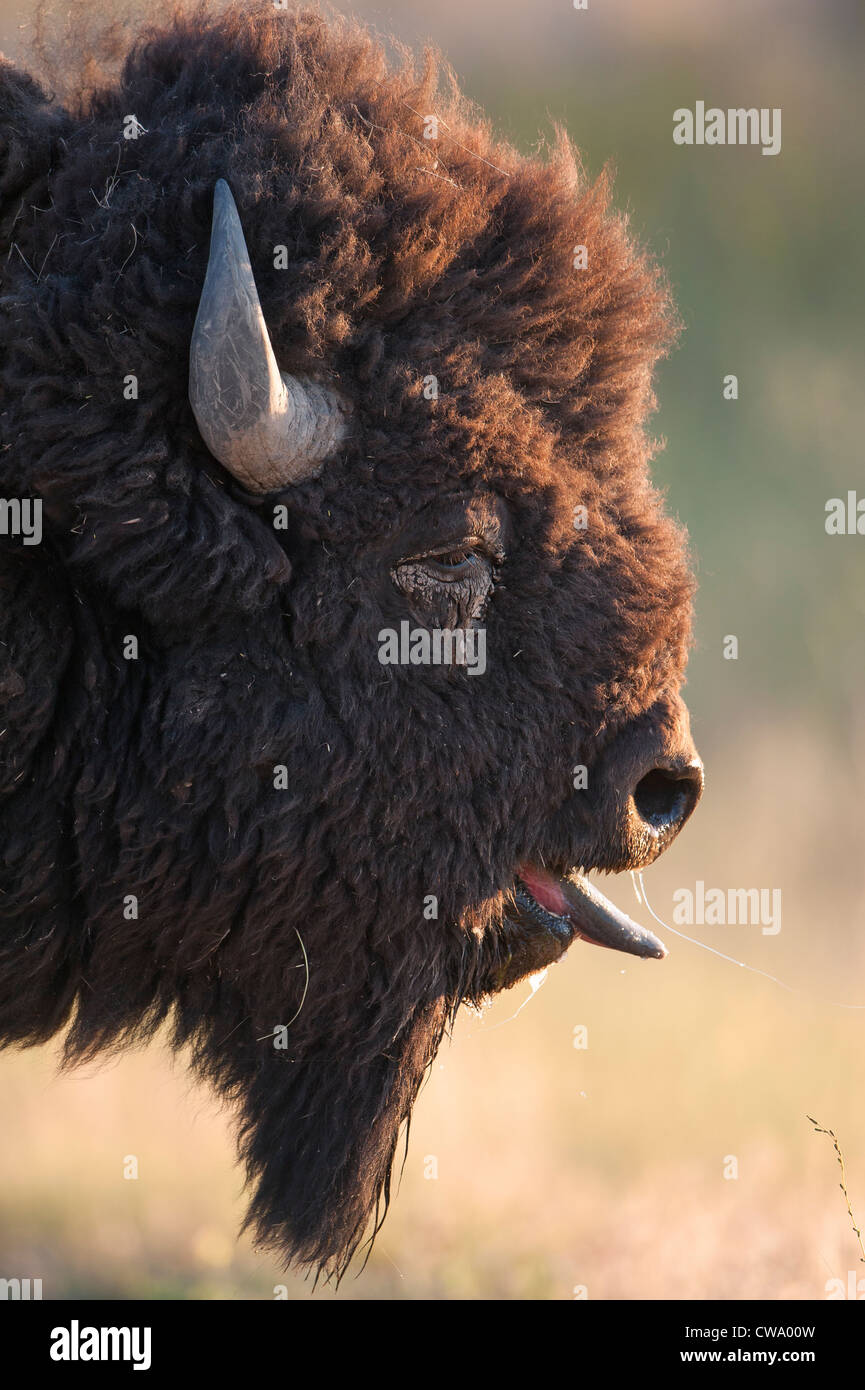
{"x": 236, "y": 829}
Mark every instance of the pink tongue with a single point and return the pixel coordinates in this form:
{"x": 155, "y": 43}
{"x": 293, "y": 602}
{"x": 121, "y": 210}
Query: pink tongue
{"x": 592, "y": 916}
{"x": 544, "y": 889}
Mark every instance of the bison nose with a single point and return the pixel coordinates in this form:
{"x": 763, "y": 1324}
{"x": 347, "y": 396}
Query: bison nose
{"x": 666, "y": 795}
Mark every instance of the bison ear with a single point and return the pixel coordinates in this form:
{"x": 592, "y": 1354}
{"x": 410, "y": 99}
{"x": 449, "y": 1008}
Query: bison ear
{"x": 31, "y": 128}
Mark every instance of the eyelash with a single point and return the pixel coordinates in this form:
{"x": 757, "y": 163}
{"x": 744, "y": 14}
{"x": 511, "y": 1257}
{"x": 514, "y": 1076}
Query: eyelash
{"x": 464, "y": 552}
{"x": 454, "y": 563}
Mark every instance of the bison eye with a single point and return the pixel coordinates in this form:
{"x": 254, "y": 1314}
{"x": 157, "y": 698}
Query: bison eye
{"x": 447, "y": 587}
{"x": 453, "y": 564}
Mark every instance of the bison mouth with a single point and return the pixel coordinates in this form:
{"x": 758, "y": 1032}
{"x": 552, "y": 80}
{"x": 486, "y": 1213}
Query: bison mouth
{"x": 570, "y": 908}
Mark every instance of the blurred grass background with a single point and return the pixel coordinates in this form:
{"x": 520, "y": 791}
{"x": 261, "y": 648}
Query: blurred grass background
{"x": 604, "y": 1167}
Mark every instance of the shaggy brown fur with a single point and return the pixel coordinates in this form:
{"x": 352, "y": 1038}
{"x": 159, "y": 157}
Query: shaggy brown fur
{"x": 258, "y": 647}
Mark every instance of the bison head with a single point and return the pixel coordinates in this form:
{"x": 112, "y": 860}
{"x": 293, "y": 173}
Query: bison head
{"x": 356, "y": 631}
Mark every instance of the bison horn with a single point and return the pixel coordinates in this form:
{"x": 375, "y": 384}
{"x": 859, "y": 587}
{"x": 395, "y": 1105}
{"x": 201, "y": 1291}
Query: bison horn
{"x": 267, "y": 428}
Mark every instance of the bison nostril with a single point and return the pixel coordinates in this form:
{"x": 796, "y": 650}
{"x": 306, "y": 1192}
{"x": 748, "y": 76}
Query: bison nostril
{"x": 664, "y": 799}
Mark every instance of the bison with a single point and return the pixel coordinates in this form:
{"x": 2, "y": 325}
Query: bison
{"x": 304, "y": 371}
